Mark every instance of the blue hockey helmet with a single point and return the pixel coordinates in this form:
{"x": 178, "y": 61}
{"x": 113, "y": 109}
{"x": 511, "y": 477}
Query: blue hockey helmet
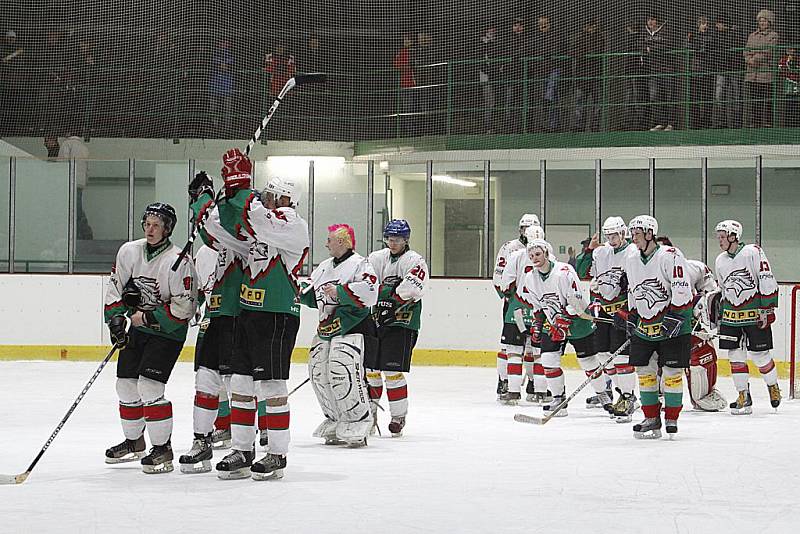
{"x": 397, "y": 227}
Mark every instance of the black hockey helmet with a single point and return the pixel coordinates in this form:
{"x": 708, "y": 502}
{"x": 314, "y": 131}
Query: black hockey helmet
{"x": 163, "y": 211}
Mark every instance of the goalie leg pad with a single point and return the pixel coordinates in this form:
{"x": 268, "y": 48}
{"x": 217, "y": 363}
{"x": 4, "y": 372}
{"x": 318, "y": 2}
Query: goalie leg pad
{"x": 131, "y": 409}
{"x": 702, "y": 377}
{"x": 321, "y": 384}
{"x": 346, "y": 376}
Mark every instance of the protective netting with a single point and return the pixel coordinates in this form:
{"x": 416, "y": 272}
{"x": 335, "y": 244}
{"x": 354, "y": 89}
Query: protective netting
{"x": 404, "y": 69}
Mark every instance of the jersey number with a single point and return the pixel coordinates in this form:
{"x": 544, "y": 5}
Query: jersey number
{"x": 764, "y": 266}
{"x": 677, "y": 272}
{"x": 419, "y": 272}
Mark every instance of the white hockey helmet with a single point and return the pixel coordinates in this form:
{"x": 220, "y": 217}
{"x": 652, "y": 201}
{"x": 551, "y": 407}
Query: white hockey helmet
{"x": 283, "y": 187}
{"x": 644, "y": 223}
{"x": 731, "y": 227}
{"x": 615, "y": 225}
{"x": 542, "y": 244}
{"x": 529, "y": 219}
{"x": 534, "y": 231}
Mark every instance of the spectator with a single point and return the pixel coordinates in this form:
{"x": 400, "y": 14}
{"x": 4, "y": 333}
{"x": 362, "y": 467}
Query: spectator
{"x": 85, "y": 80}
{"x": 657, "y": 61}
{"x": 517, "y": 48}
{"x": 632, "y": 84}
{"x": 760, "y": 65}
{"x": 587, "y": 72}
{"x": 404, "y": 62}
{"x": 789, "y": 68}
{"x": 701, "y": 43}
{"x": 280, "y": 65}
{"x": 547, "y": 72}
{"x": 73, "y": 148}
{"x": 220, "y": 87}
{"x": 728, "y": 82}
{"x": 52, "y": 146}
{"x": 488, "y": 74}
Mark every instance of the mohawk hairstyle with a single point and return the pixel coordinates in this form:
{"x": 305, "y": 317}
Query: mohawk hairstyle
{"x": 344, "y": 232}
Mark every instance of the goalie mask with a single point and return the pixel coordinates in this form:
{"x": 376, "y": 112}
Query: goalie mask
{"x": 163, "y": 211}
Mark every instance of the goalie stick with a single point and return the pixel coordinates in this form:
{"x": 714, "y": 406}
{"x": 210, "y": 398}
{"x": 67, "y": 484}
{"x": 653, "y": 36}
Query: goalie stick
{"x": 522, "y": 418}
{"x": 298, "y": 79}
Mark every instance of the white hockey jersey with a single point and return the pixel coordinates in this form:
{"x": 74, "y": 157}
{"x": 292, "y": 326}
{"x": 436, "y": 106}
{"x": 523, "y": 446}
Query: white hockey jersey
{"x": 403, "y": 279}
{"x": 169, "y": 296}
{"x": 508, "y": 248}
{"x": 656, "y": 285}
{"x": 357, "y": 291}
{"x": 701, "y": 277}
{"x": 747, "y": 284}
{"x": 205, "y": 262}
{"x": 608, "y": 272}
{"x": 512, "y": 283}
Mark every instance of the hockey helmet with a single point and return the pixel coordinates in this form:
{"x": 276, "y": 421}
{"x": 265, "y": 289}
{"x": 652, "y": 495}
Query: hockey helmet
{"x": 163, "y": 211}
{"x": 397, "y": 228}
{"x": 283, "y": 187}
{"x": 529, "y": 219}
{"x": 644, "y": 223}
{"x": 541, "y": 244}
{"x": 615, "y": 225}
{"x": 534, "y": 231}
{"x": 733, "y": 228}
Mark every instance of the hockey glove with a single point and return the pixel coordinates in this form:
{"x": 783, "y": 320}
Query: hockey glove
{"x": 559, "y": 328}
{"x": 765, "y": 318}
{"x": 131, "y": 295}
{"x": 385, "y": 312}
{"x": 117, "y": 329}
{"x": 536, "y": 333}
{"x": 671, "y": 324}
{"x": 201, "y": 184}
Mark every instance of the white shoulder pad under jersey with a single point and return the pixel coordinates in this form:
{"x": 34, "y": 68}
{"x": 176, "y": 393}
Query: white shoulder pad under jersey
{"x": 407, "y": 273}
{"x": 746, "y": 276}
{"x": 357, "y": 277}
{"x": 205, "y": 262}
{"x": 558, "y": 293}
{"x": 658, "y": 283}
{"x": 608, "y": 268}
{"x": 508, "y": 248}
{"x": 275, "y": 234}
{"x": 701, "y": 277}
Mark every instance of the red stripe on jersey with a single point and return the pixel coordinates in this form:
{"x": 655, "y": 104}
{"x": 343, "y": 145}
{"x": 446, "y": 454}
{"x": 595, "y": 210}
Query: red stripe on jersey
{"x": 206, "y": 402}
{"x": 515, "y": 368}
{"x": 396, "y": 394}
{"x": 278, "y": 421}
{"x": 131, "y": 413}
{"x": 172, "y": 317}
{"x": 767, "y": 368}
{"x": 553, "y": 373}
{"x": 672, "y": 412}
{"x": 158, "y": 412}
{"x": 738, "y": 367}
{"x": 242, "y": 416}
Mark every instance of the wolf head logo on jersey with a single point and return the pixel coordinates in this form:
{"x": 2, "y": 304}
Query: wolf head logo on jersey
{"x": 391, "y": 281}
{"x": 151, "y": 294}
{"x": 651, "y": 292}
{"x": 612, "y": 278}
{"x": 739, "y": 281}
{"x": 324, "y": 302}
{"x": 551, "y": 305}
{"x": 260, "y": 251}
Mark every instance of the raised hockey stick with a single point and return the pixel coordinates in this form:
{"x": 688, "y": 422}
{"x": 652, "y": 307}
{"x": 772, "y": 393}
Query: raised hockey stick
{"x": 22, "y": 477}
{"x": 533, "y": 420}
{"x": 298, "y": 79}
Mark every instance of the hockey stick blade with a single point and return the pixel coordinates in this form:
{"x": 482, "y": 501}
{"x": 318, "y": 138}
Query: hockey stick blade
{"x": 14, "y": 479}
{"x": 530, "y": 419}
{"x": 310, "y": 77}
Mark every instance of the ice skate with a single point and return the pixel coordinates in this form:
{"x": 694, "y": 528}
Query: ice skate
{"x": 127, "y": 451}
{"x": 198, "y": 459}
{"x": 530, "y": 393}
{"x": 553, "y": 404}
{"x": 542, "y": 397}
{"x": 159, "y": 460}
{"x": 510, "y": 398}
{"x": 269, "y": 467}
{"x": 671, "y": 425}
{"x": 605, "y": 402}
{"x": 622, "y": 410}
{"x": 743, "y": 405}
{"x": 221, "y": 439}
{"x": 596, "y": 402}
{"x": 774, "y": 395}
{"x": 396, "y": 426}
{"x": 502, "y": 388}
{"x": 235, "y": 465}
{"x": 650, "y": 428}
{"x": 263, "y": 439}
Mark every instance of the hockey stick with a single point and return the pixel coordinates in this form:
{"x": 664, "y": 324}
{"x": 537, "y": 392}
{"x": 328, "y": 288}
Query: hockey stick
{"x": 22, "y": 477}
{"x": 298, "y": 79}
{"x": 301, "y": 384}
{"x": 522, "y": 418}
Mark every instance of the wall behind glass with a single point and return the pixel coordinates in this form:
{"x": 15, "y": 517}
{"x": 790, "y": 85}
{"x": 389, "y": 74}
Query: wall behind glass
{"x": 162, "y": 181}
{"x": 780, "y": 219}
{"x": 406, "y": 200}
{"x": 42, "y": 206}
{"x": 458, "y": 232}
{"x": 103, "y": 227}
{"x": 679, "y": 204}
{"x": 569, "y": 205}
{"x": 4, "y": 196}
{"x": 624, "y": 189}
{"x": 514, "y": 190}
{"x": 731, "y": 195}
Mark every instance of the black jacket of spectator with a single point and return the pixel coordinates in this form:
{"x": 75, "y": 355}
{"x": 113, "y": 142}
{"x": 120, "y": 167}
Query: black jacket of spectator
{"x": 656, "y": 47}
{"x": 517, "y": 47}
{"x": 588, "y": 44}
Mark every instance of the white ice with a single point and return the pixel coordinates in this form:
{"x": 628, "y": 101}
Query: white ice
{"x": 463, "y": 465}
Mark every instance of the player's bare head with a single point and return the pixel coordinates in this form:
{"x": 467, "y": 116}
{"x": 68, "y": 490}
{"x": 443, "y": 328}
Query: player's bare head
{"x": 341, "y": 238}
{"x": 729, "y": 233}
{"x": 643, "y": 230}
{"x": 615, "y": 231}
{"x": 540, "y": 251}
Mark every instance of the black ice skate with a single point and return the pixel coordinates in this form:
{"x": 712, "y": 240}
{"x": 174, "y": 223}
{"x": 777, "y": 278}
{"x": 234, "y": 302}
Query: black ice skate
{"x": 541, "y": 397}
{"x": 127, "y": 451}
{"x": 743, "y": 405}
{"x": 397, "y": 424}
{"x": 221, "y": 439}
{"x": 502, "y": 387}
{"x": 596, "y": 402}
{"x": 235, "y": 465}
{"x": 263, "y": 438}
{"x": 550, "y": 407}
{"x": 510, "y": 398}
{"x": 671, "y": 426}
{"x": 159, "y": 460}
{"x": 605, "y": 402}
{"x": 530, "y": 392}
{"x": 198, "y": 459}
{"x": 650, "y": 428}
{"x": 622, "y": 410}
{"x": 774, "y": 395}
{"x": 269, "y": 467}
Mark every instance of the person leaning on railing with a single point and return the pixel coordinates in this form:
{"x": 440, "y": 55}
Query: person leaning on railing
{"x": 759, "y": 63}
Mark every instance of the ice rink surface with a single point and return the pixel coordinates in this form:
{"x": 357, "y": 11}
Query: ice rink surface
{"x": 463, "y": 465}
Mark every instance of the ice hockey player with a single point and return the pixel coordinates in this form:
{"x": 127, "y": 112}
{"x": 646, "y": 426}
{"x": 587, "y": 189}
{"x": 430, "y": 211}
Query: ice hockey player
{"x": 702, "y": 372}
{"x": 659, "y": 312}
{"x": 508, "y": 248}
{"x": 520, "y": 350}
{"x": 553, "y": 290}
{"x": 159, "y": 302}
{"x": 609, "y": 294}
{"x": 403, "y": 276}
{"x": 343, "y": 288}
{"x": 749, "y": 299}
{"x": 267, "y": 230}
{"x": 214, "y": 348}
